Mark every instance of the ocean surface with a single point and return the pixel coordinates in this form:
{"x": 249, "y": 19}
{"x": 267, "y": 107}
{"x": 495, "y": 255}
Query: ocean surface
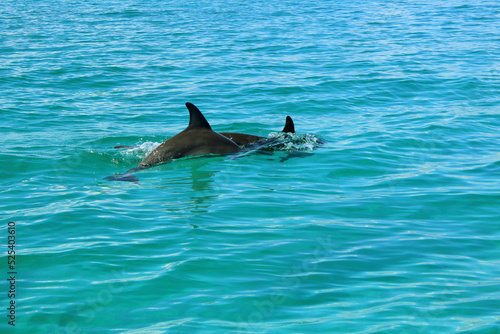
{"x": 382, "y": 215}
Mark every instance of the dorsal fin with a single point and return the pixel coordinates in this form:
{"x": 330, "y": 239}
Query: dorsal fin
{"x": 196, "y": 118}
{"x": 289, "y": 127}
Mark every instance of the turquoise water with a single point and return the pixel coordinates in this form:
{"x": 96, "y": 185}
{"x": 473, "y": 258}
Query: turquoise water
{"x": 391, "y": 226}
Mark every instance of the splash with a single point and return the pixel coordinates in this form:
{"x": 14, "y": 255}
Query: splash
{"x": 293, "y": 142}
{"x": 142, "y": 150}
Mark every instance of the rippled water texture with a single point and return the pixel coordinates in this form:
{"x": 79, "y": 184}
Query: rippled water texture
{"x": 381, "y": 217}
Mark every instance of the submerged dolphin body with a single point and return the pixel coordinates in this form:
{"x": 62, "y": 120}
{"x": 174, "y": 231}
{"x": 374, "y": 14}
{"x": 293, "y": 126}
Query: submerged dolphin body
{"x": 197, "y": 139}
{"x": 242, "y": 139}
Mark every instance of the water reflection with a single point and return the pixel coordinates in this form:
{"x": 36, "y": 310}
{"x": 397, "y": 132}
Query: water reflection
{"x": 190, "y": 183}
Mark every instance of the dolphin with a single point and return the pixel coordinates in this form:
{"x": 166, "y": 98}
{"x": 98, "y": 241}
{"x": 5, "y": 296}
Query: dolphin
{"x": 197, "y": 139}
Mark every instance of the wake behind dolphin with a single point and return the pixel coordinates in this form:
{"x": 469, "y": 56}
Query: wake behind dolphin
{"x": 196, "y": 140}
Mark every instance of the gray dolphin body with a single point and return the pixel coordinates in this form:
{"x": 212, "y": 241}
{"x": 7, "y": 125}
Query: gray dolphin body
{"x": 197, "y": 139}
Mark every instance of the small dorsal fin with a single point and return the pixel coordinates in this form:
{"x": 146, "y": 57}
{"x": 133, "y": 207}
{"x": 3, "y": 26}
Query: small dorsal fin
{"x": 289, "y": 127}
{"x": 196, "y": 118}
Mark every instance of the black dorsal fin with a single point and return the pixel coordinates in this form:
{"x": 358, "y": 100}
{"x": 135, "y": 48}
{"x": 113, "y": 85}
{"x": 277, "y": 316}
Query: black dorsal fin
{"x": 289, "y": 127}
{"x": 196, "y": 118}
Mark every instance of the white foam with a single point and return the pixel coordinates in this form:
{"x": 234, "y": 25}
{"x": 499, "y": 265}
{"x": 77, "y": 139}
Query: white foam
{"x": 142, "y": 150}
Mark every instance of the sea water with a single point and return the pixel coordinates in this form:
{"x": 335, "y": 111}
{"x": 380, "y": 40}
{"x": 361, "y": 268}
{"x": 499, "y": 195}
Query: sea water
{"x": 380, "y": 216}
